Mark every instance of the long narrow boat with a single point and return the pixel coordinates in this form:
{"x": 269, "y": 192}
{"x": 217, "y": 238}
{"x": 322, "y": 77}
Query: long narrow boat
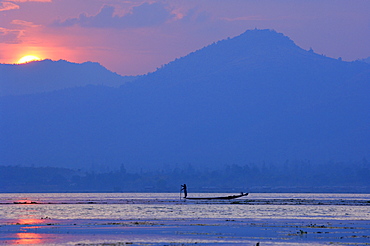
{"x": 217, "y": 198}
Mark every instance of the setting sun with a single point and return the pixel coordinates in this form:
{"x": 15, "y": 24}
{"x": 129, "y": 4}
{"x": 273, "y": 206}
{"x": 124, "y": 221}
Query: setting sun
{"x": 28, "y": 58}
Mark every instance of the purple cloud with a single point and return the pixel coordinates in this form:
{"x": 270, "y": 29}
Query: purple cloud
{"x": 193, "y": 16}
{"x": 10, "y": 36}
{"x": 144, "y": 15}
{"x": 4, "y": 6}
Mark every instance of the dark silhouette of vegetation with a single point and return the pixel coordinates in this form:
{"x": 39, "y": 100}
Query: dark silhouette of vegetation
{"x": 292, "y": 176}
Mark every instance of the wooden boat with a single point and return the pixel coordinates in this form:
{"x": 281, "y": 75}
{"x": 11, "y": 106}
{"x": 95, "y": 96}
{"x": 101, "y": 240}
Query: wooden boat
{"x": 217, "y": 198}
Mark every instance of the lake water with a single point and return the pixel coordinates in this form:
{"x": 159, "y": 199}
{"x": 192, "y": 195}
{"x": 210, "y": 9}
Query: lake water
{"x": 23, "y": 214}
{"x": 169, "y": 205}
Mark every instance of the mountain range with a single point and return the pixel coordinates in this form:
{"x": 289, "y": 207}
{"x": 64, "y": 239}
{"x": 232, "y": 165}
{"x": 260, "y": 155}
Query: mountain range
{"x": 48, "y": 75}
{"x": 257, "y": 97}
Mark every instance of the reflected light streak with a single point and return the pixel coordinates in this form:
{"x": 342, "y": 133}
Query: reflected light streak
{"x": 24, "y": 201}
{"x": 29, "y": 221}
{"x": 28, "y": 238}
{"x": 24, "y": 237}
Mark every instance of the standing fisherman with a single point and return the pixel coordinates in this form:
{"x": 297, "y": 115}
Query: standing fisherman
{"x": 183, "y": 188}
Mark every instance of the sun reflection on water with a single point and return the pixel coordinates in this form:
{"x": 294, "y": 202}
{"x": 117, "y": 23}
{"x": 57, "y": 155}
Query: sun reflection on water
{"x": 28, "y": 238}
{"x": 27, "y": 234}
{"x": 29, "y": 221}
{"x": 24, "y": 201}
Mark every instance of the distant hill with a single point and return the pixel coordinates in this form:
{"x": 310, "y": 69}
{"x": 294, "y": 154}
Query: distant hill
{"x": 257, "y": 97}
{"x": 48, "y": 75}
{"x": 367, "y": 60}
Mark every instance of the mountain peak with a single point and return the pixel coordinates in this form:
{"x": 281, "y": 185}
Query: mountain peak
{"x": 251, "y": 48}
{"x": 253, "y": 40}
{"x": 262, "y": 37}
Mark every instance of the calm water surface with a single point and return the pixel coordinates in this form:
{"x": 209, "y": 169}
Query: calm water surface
{"x": 169, "y": 206}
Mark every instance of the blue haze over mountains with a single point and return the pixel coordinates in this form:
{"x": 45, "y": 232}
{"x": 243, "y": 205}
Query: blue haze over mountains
{"x": 255, "y": 98}
{"x": 48, "y": 75}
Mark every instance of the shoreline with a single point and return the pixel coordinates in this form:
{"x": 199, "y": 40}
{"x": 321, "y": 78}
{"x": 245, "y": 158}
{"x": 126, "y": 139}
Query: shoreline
{"x": 164, "y": 219}
{"x": 185, "y": 231}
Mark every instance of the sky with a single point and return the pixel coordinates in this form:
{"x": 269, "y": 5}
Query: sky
{"x": 132, "y": 37}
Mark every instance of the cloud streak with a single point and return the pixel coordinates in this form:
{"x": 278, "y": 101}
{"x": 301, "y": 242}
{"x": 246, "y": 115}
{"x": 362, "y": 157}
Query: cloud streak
{"x": 9, "y": 5}
{"x": 23, "y": 1}
{"x": 4, "y": 6}
{"x": 145, "y": 15}
{"x": 9, "y": 36}
{"x": 24, "y": 23}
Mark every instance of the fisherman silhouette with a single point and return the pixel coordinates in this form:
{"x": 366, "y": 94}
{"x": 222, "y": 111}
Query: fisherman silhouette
{"x": 183, "y": 188}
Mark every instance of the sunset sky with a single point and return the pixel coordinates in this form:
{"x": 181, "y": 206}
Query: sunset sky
{"x": 135, "y": 37}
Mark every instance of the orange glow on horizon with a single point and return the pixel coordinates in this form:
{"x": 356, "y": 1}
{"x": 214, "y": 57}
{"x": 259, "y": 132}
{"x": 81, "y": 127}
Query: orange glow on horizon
{"x": 28, "y": 58}
{"x": 24, "y": 201}
{"x": 29, "y": 221}
{"x": 12, "y": 53}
